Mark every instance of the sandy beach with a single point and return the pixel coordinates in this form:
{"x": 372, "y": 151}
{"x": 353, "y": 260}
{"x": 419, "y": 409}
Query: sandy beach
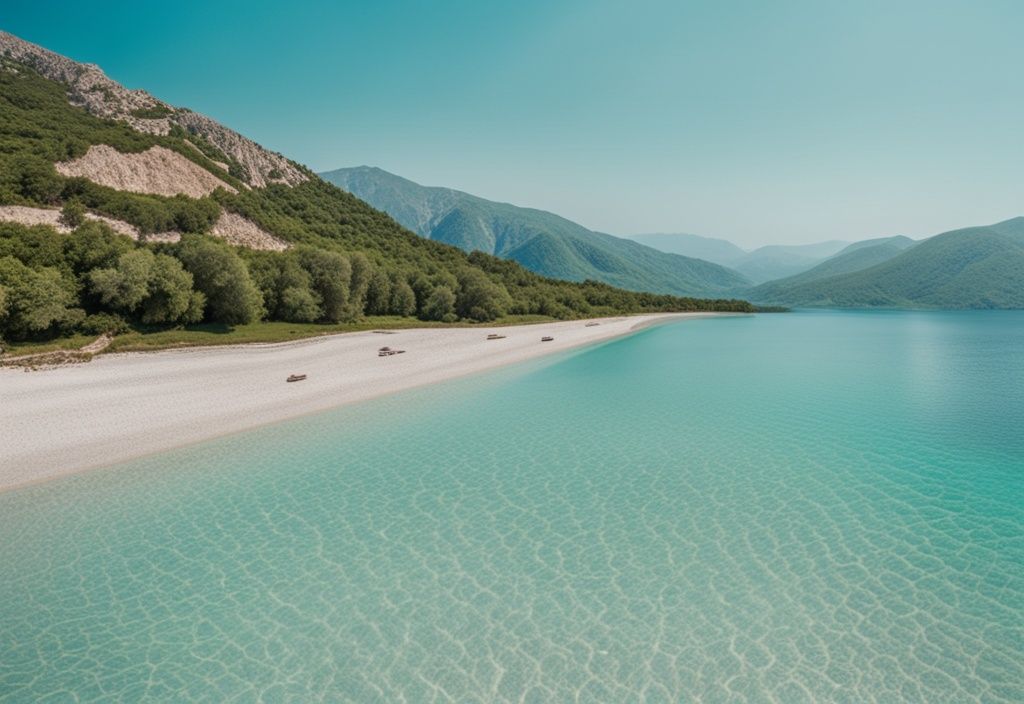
{"x": 122, "y": 406}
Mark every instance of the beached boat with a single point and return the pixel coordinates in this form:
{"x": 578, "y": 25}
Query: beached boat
{"x": 546, "y": 339}
{"x": 590, "y": 325}
{"x": 387, "y": 352}
{"x": 296, "y": 377}
{"x": 495, "y": 336}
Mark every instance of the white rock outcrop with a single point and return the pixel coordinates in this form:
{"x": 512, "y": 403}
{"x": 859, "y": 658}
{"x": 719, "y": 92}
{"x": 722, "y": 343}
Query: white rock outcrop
{"x": 157, "y": 170}
{"x": 238, "y": 230}
{"x": 29, "y": 216}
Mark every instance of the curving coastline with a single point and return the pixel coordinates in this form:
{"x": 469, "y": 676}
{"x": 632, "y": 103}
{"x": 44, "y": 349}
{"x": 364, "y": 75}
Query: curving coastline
{"x": 124, "y": 406}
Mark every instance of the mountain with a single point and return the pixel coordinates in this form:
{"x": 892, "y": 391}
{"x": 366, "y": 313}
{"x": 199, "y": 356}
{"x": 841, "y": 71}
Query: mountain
{"x": 974, "y": 267}
{"x": 541, "y": 241}
{"x": 762, "y": 264}
{"x": 118, "y": 209}
{"x": 707, "y": 248}
{"x": 856, "y": 257}
{"x": 899, "y": 242}
{"x": 777, "y": 261}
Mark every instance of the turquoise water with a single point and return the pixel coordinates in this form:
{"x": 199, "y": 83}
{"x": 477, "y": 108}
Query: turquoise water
{"x": 806, "y": 507}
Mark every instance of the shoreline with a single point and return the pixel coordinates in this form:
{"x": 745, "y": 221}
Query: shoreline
{"x": 127, "y": 405}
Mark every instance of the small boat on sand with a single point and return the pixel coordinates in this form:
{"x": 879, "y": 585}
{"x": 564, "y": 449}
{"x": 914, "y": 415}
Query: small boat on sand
{"x": 387, "y": 352}
{"x": 546, "y": 339}
{"x": 495, "y": 336}
{"x": 590, "y": 325}
{"x": 296, "y": 377}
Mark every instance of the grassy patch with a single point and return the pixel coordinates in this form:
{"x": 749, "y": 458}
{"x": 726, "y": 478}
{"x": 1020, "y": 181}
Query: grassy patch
{"x": 270, "y": 331}
{"x": 16, "y": 349}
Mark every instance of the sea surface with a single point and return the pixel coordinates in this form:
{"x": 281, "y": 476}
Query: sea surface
{"x": 814, "y": 506}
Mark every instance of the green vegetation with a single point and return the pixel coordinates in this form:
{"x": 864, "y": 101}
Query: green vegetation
{"x": 542, "y": 242}
{"x": 976, "y": 267}
{"x": 856, "y": 257}
{"x": 153, "y": 112}
{"x": 348, "y": 260}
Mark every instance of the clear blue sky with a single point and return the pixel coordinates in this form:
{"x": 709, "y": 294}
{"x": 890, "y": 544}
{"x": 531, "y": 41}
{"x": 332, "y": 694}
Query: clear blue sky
{"x": 783, "y": 121}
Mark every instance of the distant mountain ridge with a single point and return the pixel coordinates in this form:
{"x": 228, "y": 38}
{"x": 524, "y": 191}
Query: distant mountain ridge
{"x": 973, "y": 267}
{"x": 766, "y": 263}
{"x": 776, "y": 261}
{"x": 541, "y": 241}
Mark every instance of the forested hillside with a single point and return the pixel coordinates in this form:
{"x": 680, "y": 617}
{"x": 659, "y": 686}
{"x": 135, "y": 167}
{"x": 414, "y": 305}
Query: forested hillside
{"x": 341, "y": 259}
{"x": 542, "y": 242}
{"x": 974, "y": 267}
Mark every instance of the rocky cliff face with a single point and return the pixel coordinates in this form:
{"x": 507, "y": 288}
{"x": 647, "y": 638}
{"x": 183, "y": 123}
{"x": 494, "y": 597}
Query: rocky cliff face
{"x": 91, "y": 89}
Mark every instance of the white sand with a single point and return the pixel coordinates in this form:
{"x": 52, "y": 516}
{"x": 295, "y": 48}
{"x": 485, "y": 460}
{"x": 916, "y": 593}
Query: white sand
{"x": 122, "y": 406}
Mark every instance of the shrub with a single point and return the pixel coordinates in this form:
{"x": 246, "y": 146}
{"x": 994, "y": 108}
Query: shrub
{"x": 104, "y": 324}
{"x": 72, "y": 214}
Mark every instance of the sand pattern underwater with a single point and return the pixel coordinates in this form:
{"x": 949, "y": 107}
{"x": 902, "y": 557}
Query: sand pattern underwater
{"x": 818, "y": 506}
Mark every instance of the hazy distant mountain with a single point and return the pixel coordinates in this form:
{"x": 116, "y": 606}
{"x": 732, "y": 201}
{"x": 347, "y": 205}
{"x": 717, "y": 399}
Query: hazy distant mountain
{"x": 763, "y": 264}
{"x": 776, "y": 261}
{"x": 856, "y": 257}
{"x": 539, "y": 240}
{"x": 975, "y": 267}
{"x": 899, "y": 241}
{"x": 708, "y": 248}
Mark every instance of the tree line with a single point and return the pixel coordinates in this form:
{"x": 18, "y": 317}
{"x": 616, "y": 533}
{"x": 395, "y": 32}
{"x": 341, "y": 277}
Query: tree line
{"x": 347, "y": 260}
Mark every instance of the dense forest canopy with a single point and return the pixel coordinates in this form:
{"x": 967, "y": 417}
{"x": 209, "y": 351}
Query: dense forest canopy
{"x": 346, "y": 260}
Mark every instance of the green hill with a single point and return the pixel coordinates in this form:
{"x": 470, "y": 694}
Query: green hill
{"x": 975, "y": 267}
{"x": 312, "y": 252}
{"x": 1012, "y": 228}
{"x": 899, "y": 242}
{"x": 856, "y": 257}
{"x": 542, "y": 242}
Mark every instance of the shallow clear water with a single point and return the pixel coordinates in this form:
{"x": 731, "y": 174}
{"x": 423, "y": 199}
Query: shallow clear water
{"x": 806, "y": 507}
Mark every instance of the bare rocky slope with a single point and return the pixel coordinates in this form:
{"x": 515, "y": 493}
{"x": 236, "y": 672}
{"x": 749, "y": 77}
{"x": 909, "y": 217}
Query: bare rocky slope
{"x": 90, "y": 88}
{"x": 157, "y": 170}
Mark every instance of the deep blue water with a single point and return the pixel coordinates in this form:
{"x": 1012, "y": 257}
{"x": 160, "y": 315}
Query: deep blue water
{"x": 817, "y": 506}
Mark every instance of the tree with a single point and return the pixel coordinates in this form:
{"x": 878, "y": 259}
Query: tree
{"x": 294, "y": 298}
{"x": 3, "y": 306}
{"x": 94, "y": 246}
{"x": 440, "y": 304}
{"x": 480, "y": 298}
{"x": 362, "y": 270}
{"x": 329, "y": 274}
{"x": 378, "y": 294}
{"x": 170, "y": 297}
{"x": 286, "y": 286}
{"x": 72, "y": 214}
{"x": 403, "y": 299}
{"x": 124, "y": 286}
{"x": 221, "y": 275}
{"x": 37, "y": 302}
